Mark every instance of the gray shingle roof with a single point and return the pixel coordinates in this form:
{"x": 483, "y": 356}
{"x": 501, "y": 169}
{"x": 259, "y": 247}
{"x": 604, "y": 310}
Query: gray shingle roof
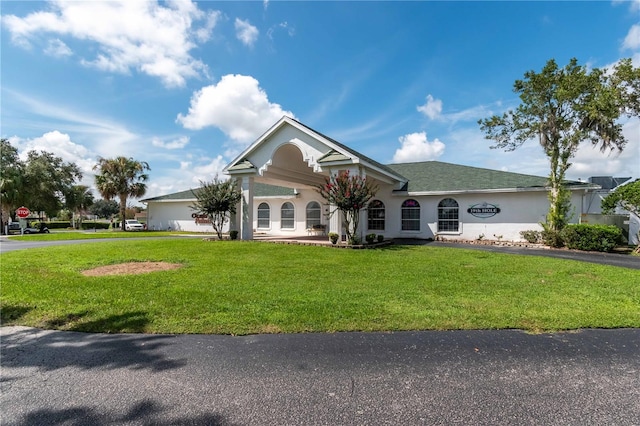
{"x": 259, "y": 189}
{"x": 436, "y": 176}
{"x": 424, "y": 177}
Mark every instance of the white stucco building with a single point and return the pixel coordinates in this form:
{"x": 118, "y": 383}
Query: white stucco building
{"x": 279, "y": 173}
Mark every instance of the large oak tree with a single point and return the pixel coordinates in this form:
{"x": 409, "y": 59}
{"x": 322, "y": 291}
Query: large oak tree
{"x": 41, "y": 182}
{"x": 11, "y": 178}
{"x": 562, "y": 107}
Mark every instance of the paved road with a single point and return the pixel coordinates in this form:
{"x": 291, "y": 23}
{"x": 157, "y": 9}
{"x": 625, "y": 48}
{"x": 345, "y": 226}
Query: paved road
{"x": 612, "y": 259}
{"x": 590, "y": 377}
{"x": 7, "y": 244}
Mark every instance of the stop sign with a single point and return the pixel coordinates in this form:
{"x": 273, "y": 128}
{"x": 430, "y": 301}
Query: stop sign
{"x": 23, "y": 212}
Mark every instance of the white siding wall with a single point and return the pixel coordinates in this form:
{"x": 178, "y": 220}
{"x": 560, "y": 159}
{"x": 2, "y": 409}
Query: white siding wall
{"x": 300, "y": 217}
{"x": 518, "y": 212}
{"x": 175, "y": 215}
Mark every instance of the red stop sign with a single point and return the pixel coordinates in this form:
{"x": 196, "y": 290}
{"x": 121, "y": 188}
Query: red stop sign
{"x": 23, "y": 212}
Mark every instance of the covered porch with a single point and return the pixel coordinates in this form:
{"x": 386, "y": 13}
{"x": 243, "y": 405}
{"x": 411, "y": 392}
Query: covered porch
{"x": 291, "y": 155}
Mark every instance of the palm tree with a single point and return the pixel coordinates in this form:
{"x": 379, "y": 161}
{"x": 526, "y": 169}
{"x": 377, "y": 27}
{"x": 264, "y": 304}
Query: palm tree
{"x": 121, "y": 177}
{"x": 78, "y": 199}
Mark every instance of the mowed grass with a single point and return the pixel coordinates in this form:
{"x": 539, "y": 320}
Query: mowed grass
{"x": 63, "y": 235}
{"x": 232, "y": 287}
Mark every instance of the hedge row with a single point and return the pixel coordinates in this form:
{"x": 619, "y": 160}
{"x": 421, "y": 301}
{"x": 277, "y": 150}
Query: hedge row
{"x": 583, "y": 236}
{"x": 65, "y": 224}
{"x": 592, "y": 237}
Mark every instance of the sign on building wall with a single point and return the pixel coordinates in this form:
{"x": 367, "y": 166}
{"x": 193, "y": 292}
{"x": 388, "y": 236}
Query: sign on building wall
{"x": 201, "y": 218}
{"x": 483, "y": 210}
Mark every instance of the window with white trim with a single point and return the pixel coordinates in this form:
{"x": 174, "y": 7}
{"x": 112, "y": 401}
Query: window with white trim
{"x": 375, "y": 215}
{"x": 410, "y": 215}
{"x": 313, "y": 214}
{"x": 448, "y": 215}
{"x": 264, "y": 216}
{"x": 287, "y": 213}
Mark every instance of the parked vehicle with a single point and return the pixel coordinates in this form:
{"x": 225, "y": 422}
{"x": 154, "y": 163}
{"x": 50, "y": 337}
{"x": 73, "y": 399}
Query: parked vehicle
{"x": 14, "y": 228}
{"x": 133, "y": 225}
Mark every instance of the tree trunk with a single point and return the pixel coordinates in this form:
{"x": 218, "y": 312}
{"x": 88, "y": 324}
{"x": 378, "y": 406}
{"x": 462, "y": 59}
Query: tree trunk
{"x": 559, "y": 197}
{"x": 123, "y": 210}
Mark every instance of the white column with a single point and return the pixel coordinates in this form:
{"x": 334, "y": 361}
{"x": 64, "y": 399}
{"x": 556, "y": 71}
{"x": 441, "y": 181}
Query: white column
{"x": 336, "y": 222}
{"x": 246, "y": 209}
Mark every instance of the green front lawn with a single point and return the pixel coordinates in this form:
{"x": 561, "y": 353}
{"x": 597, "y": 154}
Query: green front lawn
{"x": 234, "y": 287}
{"x": 59, "y": 235}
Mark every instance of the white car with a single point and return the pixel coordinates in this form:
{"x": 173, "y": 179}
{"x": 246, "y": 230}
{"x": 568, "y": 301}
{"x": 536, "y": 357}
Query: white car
{"x": 133, "y": 225}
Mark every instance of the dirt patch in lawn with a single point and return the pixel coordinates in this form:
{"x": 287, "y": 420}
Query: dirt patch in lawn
{"x": 131, "y": 268}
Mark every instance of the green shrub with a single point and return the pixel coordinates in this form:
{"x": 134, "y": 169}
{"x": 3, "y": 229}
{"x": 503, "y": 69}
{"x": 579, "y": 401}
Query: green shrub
{"x": 95, "y": 225}
{"x": 551, "y": 237}
{"x": 354, "y": 240}
{"x": 333, "y": 237}
{"x": 531, "y": 236}
{"x": 380, "y": 238}
{"x": 370, "y": 238}
{"x": 590, "y": 237}
{"x": 233, "y": 234}
{"x": 58, "y": 224}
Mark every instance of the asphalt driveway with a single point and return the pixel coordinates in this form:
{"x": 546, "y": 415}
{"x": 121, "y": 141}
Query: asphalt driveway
{"x": 588, "y": 377}
{"x": 591, "y": 377}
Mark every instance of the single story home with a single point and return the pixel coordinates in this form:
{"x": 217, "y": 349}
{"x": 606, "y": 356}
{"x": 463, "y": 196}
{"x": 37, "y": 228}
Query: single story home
{"x": 279, "y": 173}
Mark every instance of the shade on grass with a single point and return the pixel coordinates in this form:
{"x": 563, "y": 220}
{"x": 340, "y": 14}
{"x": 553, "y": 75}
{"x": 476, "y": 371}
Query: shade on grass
{"x": 250, "y": 287}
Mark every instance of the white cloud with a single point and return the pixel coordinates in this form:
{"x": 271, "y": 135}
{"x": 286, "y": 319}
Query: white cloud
{"x": 634, "y": 5}
{"x": 206, "y": 171}
{"x": 416, "y": 147}
{"x": 60, "y": 145}
{"x": 291, "y": 31}
{"x": 102, "y": 135}
{"x": 139, "y": 35}
{"x": 469, "y": 114}
{"x": 590, "y": 161}
{"x": 632, "y": 40}
{"x": 432, "y": 108}
{"x": 204, "y": 33}
{"x": 178, "y": 143}
{"x": 236, "y": 105}
{"x": 246, "y": 33}
{"x": 188, "y": 175}
{"x": 57, "y": 48}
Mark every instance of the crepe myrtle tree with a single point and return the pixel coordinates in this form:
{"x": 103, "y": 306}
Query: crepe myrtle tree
{"x": 217, "y": 200}
{"x": 562, "y": 107}
{"x": 349, "y": 194}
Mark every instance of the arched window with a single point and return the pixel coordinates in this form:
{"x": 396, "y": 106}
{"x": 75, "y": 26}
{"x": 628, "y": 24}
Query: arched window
{"x": 264, "y": 216}
{"x": 448, "y": 215}
{"x": 287, "y": 216}
{"x": 375, "y": 215}
{"x": 410, "y": 215}
{"x": 313, "y": 214}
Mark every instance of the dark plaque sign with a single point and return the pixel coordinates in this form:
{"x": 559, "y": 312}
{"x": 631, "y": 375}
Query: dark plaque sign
{"x": 483, "y": 210}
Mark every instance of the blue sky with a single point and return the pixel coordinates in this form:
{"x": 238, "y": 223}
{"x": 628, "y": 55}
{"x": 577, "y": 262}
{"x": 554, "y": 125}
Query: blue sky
{"x": 187, "y": 86}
